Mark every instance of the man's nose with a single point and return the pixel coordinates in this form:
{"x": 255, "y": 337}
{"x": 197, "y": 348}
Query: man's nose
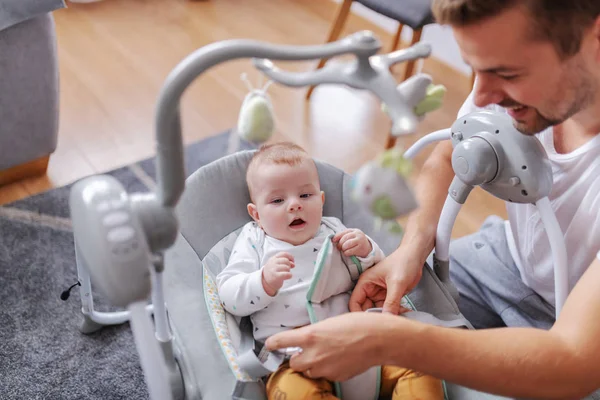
{"x": 487, "y": 90}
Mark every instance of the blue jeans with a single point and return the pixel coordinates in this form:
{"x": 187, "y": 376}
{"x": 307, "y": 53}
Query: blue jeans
{"x": 492, "y": 293}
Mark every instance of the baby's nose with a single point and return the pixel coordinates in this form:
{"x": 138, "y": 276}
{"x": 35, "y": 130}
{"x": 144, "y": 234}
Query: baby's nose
{"x": 295, "y": 205}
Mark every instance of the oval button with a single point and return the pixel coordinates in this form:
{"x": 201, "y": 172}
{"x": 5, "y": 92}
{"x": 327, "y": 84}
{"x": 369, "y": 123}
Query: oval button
{"x": 115, "y": 218}
{"x": 120, "y": 234}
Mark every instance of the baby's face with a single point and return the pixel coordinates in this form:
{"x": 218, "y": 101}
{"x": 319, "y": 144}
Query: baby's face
{"x": 288, "y": 203}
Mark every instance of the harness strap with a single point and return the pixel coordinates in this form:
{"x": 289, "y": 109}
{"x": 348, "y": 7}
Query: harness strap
{"x": 255, "y": 365}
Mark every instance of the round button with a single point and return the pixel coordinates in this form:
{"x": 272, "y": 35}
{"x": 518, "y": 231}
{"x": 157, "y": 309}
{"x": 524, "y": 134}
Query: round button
{"x": 461, "y": 166}
{"x": 115, "y": 218}
{"x": 514, "y": 181}
{"x": 120, "y": 234}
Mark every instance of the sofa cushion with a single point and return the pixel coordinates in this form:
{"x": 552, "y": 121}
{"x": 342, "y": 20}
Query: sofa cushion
{"x": 14, "y": 11}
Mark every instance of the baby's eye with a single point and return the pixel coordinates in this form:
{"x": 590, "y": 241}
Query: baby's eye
{"x": 277, "y": 201}
{"x": 305, "y": 195}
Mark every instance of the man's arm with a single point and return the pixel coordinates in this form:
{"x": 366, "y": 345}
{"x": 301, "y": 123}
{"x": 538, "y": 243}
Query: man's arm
{"x": 563, "y": 362}
{"x": 431, "y": 191}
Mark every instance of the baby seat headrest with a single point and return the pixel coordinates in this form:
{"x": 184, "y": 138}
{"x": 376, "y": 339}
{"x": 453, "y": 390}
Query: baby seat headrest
{"x": 214, "y": 203}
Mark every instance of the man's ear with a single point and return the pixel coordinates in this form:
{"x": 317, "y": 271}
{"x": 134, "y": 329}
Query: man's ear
{"x": 253, "y": 211}
{"x": 596, "y": 30}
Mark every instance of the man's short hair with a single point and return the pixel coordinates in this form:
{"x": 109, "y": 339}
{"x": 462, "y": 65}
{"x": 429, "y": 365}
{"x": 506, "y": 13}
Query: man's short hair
{"x": 562, "y": 22}
{"x": 276, "y": 153}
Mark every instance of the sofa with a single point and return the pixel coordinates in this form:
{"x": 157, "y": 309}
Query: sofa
{"x": 29, "y": 87}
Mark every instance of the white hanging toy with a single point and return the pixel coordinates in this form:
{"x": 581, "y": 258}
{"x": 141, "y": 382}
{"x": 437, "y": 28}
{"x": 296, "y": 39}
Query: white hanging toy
{"x": 256, "y": 121}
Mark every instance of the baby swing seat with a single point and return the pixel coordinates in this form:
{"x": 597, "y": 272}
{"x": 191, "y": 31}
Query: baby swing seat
{"x": 208, "y": 341}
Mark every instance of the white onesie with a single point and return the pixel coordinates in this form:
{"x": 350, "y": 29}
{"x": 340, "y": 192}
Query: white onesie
{"x": 240, "y": 283}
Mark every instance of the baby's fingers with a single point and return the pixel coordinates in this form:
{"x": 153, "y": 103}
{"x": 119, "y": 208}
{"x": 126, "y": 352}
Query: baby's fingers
{"x": 285, "y": 255}
{"x": 350, "y": 244}
{"x": 353, "y": 251}
{"x": 339, "y": 235}
{"x": 285, "y": 261}
{"x": 344, "y": 239}
{"x": 283, "y": 275}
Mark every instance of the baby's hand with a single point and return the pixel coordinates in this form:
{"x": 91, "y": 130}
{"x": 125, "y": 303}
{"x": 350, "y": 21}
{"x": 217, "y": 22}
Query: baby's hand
{"x": 276, "y": 271}
{"x": 353, "y": 242}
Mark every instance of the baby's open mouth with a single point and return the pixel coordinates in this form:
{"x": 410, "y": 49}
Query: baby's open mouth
{"x": 297, "y": 222}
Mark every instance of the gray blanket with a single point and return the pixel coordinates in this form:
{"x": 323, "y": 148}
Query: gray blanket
{"x": 14, "y": 11}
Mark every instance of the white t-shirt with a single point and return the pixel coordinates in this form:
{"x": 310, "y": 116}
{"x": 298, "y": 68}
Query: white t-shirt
{"x": 575, "y": 199}
{"x": 240, "y": 283}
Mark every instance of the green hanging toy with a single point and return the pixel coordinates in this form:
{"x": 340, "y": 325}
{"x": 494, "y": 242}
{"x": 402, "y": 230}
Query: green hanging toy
{"x": 381, "y": 185}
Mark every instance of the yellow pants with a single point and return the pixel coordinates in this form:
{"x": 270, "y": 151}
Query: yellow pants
{"x": 397, "y": 383}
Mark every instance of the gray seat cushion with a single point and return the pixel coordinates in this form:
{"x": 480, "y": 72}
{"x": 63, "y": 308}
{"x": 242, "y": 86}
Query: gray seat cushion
{"x": 413, "y": 13}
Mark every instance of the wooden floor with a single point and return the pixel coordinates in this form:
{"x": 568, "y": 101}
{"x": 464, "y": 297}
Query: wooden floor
{"x": 114, "y": 56}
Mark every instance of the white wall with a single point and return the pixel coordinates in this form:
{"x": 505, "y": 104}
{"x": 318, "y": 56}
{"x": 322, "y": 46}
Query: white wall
{"x": 442, "y": 42}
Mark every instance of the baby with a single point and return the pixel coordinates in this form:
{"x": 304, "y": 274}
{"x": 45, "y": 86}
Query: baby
{"x": 273, "y": 260}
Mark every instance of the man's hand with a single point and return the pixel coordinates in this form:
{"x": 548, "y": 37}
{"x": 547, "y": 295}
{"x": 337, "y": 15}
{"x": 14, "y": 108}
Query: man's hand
{"x": 385, "y": 284}
{"x": 276, "y": 271}
{"x": 353, "y": 242}
{"x": 337, "y": 348}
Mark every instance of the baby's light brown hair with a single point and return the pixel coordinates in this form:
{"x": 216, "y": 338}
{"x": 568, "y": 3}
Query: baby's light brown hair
{"x": 275, "y": 153}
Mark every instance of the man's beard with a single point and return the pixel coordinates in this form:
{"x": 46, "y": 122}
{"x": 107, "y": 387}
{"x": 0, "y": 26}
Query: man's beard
{"x": 540, "y": 121}
{"x": 581, "y": 88}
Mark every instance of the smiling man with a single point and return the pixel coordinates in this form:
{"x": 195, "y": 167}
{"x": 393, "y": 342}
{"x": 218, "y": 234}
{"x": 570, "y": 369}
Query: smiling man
{"x": 539, "y": 61}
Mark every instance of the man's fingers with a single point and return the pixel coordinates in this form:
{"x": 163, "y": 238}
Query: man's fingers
{"x": 403, "y": 310}
{"x": 395, "y": 291}
{"x": 357, "y": 299}
{"x": 291, "y": 338}
{"x": 299, "y": 362}
{"x": 367, "y": 305}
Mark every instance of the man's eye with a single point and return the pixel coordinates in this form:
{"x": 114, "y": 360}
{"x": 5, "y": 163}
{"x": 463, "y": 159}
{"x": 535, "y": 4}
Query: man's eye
{"x": 305, "y": 195}
{"x": 508, "y": 77}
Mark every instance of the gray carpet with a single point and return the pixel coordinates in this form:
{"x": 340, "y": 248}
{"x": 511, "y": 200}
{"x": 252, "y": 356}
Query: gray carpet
{"x": 42, "y": 353}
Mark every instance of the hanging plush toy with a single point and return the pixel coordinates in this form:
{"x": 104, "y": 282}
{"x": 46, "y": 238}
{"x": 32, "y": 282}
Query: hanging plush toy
{"x": 381, "y": 185}
{"x": 256, "y": 122}
{"x": 421, "y": 94}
